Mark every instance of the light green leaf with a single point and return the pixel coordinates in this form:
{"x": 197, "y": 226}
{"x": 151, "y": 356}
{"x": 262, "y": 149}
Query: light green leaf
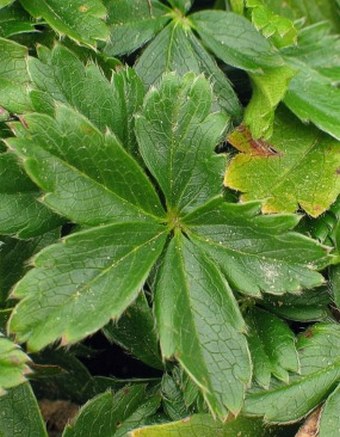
{"x": 177, "y": 134}
{"x": 235, "y": 41}
{"x": 100, "y": 270}
{"x": 236, "y": 6}
{"x": 311, "y": 11}
{"x": 108, "y": 414}
{"x": 313, "y": 94}
{"x": 177, "y": 49}
{"x": 21, "y": 213}
{"x": 14, "y": 80}
{"x": 200, "y": 325}
{"x": 135, "y": 332}
{"x": 13, "y": 365}
{"x": 87, "y": 176}
{"x": 298, "y": 167}
{"x": 20, "y": 415}
{"x": 319, "y": 349}
{"x": 4, "y": 3}
{"x": 15, "y": 20}
{"x": 133, "y": 23}
{"x": 204, "y": 425}
{"x": 272, "y": 347}
{"x": 330, "y": 421}
{"x": 280, "y": 30}
{"x": 81, "y": 20}
{"x": 256, "y": 253}
{"x": 268, "y": 91}
{"x": 59, "y": 75}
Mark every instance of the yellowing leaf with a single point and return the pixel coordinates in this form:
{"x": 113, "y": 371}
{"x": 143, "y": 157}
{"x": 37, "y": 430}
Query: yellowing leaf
{"x": 299, "y": 166}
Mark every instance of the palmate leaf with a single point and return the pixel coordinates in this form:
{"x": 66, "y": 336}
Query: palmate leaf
{"x": 178, "y": 148}
{"x": 297, "y": 167}
{"x": 178, "y": 49}
{"x": 319, "y": 373}
{"x": 256, "y": 253}
{"x": 60, "y": 76}
{"x": 313, "y": 94}
{"x": 100, "y": 270}
{"x": 80, "y": 20}
{"x": 190, "y": 292}
{"x": 13, "y": 365}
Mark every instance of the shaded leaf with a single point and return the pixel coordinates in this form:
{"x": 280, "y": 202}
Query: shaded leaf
{"x": 60, "y": 75}
{"x": 272, "y": 347}
{"x": 257, "y": 253}
{"x": 80, "y": 20}
{"x": 297, "y": 167}
{"x": 135, "y": 332}
{"x": 177, "y": 134}
{"x": 320, "y": 371}
{"x": 200, "y": 325}
{"x": 100, "y": 270}
{"x": 20, "y": 415}
{"x": 21, "y": 214}
{"x": 112, "y": 414}
{"x": 14, "y": 20}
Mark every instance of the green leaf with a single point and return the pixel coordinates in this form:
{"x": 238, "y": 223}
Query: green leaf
{"x": 177, "y": 49}
{"x": 313, "y": 94}
{"x": 330, "y": 422}
{"x": 111, "y": 414}
{"x": 87, "y": 176}
{"x": 335, "y": 284}
{"x": 280, "y": 30}
{"x": 311, "y": 12}
{"x": 21, "y": 214}
{"x": 173, "y": 398}
{"x": 14, "y": 80}
{"x": 256, "y": 253}
{"x": 4, "y": 3}
{"x": 133, "y": 23}
{"x": 204, "y": 425}
{"x": 62, "y": 77}
{"x": 177, "y": 134}
{"x": 268, "y": 91}
{"x": 297, "y": 167}
{"x": 13, "y": 365}
{"x": 14, "y": 20}
{"x": 20, "y": 415}
{"x": 100, "y": 270}
{"x": 319, "y": 349}
{"x": 200, "y": 325}
{"x": 80, "y": 20}
{"x": 235, "y": 41}
{"x": 311, "y": 305}
{"x": 14, "y": 257}
{"x": 272, "y": 347}
{"x": 135, "y": 332}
